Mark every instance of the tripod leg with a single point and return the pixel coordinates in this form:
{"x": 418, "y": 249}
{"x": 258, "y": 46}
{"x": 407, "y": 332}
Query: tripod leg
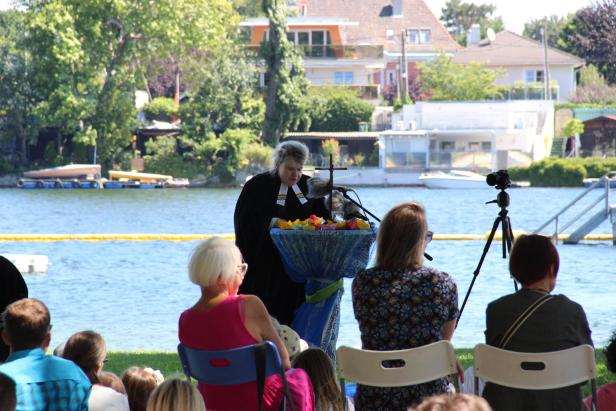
{"x": 497, "y": 221}
{"x": 508, "y": 236}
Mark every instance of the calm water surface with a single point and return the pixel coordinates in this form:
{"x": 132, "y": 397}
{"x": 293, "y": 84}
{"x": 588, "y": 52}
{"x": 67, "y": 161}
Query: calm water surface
{"x": 133, "y": 292}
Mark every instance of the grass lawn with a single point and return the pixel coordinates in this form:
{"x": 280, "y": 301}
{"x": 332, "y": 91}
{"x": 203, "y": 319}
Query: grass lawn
{"x": 169, "y": 363}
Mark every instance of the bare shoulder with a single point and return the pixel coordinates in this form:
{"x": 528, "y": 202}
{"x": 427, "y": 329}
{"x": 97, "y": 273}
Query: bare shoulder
{"x": 253, "y": 304}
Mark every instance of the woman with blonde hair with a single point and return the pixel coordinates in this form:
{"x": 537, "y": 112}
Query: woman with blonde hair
{"x": 402, "y": 304}
{"x": 238, "y": 320}
{"x": 175, "y": 394}
{"x": 88, "y": 350}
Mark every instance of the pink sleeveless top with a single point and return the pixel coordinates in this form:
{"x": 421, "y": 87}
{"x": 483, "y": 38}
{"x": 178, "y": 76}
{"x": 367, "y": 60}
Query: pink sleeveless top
{"x": 223, "y": 328}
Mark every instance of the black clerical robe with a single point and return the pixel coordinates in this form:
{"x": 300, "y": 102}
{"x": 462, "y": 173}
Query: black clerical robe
{"x": 266, "y": 278}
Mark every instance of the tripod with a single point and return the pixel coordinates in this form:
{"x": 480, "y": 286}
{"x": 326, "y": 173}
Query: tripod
{"x": 502, "y": 200}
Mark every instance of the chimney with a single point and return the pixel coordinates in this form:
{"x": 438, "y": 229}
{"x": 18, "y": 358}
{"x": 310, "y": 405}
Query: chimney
{"x": 397, "y": 8}
{"x": 473, "y": 35}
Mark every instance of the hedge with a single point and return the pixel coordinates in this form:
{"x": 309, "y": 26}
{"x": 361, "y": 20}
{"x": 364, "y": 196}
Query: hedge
{"x": 563, "y": 172}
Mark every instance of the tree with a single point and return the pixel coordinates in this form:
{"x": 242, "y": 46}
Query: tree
{"x": 458, "y": 18}
{"x": 573, "y": 127}
{"x": 590, "y": 36}
{"x": 287, "y": 84}
{"x": 554, "y": 24}
{"x": 446, "y": 80}
{"x": 88, "y": 58}
{"x": 336, "y": 109}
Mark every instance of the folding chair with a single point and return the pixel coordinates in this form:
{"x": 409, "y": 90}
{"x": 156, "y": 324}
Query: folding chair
{"x": 536, "y": 371}
{"x": 235, "y": 366}
{"x": 421, "y": 364}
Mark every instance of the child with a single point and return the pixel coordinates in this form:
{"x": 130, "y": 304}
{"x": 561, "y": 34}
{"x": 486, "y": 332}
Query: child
{"x": 318, "y": 365}
{"x": 139, "y": 383}
{"x": 606, "y": 394}
{"x": 175, "y": 394}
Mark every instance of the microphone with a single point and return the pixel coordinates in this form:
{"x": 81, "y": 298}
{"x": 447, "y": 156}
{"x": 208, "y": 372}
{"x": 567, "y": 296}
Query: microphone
{"x": 319, "y": 188}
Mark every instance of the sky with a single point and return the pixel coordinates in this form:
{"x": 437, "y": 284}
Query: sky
{"x": 514, "y": 12}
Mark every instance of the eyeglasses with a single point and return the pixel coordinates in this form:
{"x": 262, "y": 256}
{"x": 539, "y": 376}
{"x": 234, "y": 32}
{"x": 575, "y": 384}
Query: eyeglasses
{"x": 242, "y": 268}
{"x": 429, "y": 235}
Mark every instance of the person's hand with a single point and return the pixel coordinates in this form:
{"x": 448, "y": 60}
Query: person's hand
{"x": 460, "y": 372}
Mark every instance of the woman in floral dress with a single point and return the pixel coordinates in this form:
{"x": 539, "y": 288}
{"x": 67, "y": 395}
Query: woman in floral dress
{"x": 401, "y": 304}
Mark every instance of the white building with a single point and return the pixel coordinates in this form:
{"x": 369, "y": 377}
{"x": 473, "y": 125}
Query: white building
{"x": 468, "y": 135}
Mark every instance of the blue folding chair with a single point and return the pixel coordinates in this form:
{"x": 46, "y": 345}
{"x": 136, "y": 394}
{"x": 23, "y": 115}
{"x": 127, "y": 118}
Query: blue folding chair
{"x": 235, "y": 366}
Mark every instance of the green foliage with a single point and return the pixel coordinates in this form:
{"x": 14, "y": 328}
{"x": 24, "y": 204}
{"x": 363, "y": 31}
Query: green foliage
{"x": 359, "y": 159}
{"x": 335, "y": 109}
{"x": 284, "y": 100}
{"x": 256, "y": 157}
{"x": 590, "y": 76}
{"x": 554, "y": 24}
{"x": 563, "y": 172}
{"x": 590, "y": 36}
{"x": 448, "y": 81}
{"x": 458, "y": 18}
{"x": 161, "y": 109}
{"x": 331, "y": 147}
{"x": 573, "y": 127}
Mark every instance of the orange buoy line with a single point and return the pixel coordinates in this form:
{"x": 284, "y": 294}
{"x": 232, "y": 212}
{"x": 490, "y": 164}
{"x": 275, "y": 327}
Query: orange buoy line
{"x": 34, "y": 238}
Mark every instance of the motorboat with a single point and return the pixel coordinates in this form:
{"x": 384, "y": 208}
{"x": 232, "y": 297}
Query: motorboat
{"x": 137, "y": 176}
{"x": 84, "y": 171}
{"x": 462, "y": 179}
{"x": 134, "y": 179}
{"x": 588, "y": 182}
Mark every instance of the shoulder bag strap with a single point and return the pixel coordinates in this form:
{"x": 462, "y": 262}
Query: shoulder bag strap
{"x": 260, "y": 352}
{"x": 522, "y": 319}
{"x": 287, "y": 398}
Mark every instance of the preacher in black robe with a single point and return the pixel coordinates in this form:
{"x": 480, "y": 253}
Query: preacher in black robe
{"x": 254, "y": 211}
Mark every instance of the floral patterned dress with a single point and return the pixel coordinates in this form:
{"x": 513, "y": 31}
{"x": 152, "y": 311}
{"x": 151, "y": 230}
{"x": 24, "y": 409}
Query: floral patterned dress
{"x": 399, "y": 309}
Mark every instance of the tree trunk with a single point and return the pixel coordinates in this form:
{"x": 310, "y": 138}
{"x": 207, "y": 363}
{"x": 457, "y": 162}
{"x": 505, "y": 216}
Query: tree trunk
{"x": 271, "y": 125}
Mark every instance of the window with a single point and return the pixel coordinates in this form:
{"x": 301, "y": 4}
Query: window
{"x": 425, "y": 36}
{"x": 391, "y": 77}
{"x": 416, "y": 36}
{"x": 533, "y": 76}
{"x": 413, "y": 36}
{"x": 343, "y": 77}
{"x": 447, "y": 146}
{"x": 474, "y": 146}
{"x": 266, "y": 35}
{"x": 486, "y": 146}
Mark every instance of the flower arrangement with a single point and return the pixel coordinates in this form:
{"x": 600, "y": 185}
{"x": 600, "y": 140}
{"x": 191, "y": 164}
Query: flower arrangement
{"x": 313, "y": 223}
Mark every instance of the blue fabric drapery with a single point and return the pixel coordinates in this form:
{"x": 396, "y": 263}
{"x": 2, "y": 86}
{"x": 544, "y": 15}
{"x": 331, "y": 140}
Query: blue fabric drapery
{"x": 322, "y": 259}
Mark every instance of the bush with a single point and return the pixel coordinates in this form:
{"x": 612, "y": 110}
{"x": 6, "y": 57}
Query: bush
{"x": 256, "y": 157}
{"x": 336, "y": 109}
{"x": 558, "y": 172}
{"x": 161, "y": 109}
{"x": 518, "y": 173}
{"x": 331, "y": 147}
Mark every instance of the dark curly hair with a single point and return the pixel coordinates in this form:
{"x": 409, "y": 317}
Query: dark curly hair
{"x": 610, "y": 353}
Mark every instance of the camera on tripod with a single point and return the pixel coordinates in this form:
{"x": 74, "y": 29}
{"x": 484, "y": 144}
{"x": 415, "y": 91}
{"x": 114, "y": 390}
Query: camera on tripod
{"x": 499, "y": 179}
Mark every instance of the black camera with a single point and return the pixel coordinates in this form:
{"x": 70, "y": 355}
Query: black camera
{"x": 500, "y": 179}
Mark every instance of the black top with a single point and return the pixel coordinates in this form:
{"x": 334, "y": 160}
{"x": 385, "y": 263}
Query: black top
{"x": 12, "y": 288}
{"x": 557, "y": 325}
{"x": 254, "y": 210}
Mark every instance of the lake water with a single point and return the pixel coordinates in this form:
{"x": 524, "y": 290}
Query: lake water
{"x": 133, "y": 292}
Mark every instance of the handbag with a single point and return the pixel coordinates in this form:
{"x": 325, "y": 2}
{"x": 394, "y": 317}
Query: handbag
{"x": 515, "y": 326}
{"x": 260, "y": 353}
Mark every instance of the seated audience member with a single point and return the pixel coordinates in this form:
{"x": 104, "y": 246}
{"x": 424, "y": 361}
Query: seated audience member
{"x": 453, "y": 402}
{"x": 402, "y": 304}
{"x": 87, "y": 349}
{"x": 42, "y": 382}
{"x": 139, "y": 383}
{"x": 221, "y": 319}
{"x": 554, "y": 323}
{"x": 320, "y": 369}
{"x": 175, "y": 394}
{"x": 111, "y": 380}
{"x": 12, "y": 288}
{"x": 606, "y": 394}
{"x": 8, "y": 402}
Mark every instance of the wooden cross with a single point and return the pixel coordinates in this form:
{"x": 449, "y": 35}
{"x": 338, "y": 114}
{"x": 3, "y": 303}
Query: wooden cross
{"x": 330, "y": 184}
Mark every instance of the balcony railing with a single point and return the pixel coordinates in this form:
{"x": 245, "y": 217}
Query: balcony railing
{"x": 337, "y": 52}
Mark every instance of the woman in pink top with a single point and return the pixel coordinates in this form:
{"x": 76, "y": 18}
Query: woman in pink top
{"x": 222, "y": 320}
{"x": 606, "y": 394}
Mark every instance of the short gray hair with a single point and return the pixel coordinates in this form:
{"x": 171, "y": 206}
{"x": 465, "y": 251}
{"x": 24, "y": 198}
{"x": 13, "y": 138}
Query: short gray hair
{"x": 212, "y": 258}
{"x": 291, "y": 149}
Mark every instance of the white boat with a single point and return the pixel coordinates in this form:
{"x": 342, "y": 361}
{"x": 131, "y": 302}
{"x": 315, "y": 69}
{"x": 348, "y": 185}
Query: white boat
{"x": 133, "y": 175}
{"x": 453, "y": 179}
{"x": 29, "y": 263}
{"x": 88, "y": 171}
